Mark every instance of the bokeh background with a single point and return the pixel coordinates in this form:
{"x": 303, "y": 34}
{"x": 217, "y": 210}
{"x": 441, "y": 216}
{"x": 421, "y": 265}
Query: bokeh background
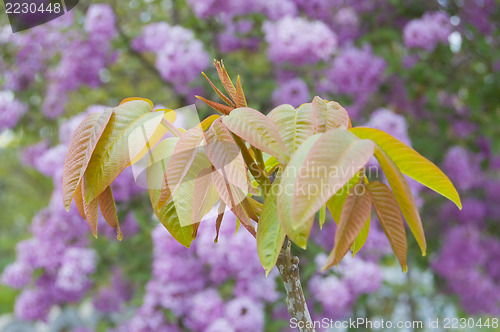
{"x": 428, "y": 72}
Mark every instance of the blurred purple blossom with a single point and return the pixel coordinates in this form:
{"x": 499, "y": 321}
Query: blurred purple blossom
{"x": 390, "y": 122}
{"x": 427, "y": 31}
{"x": 179, "y": 56}
{"x": 11, "y": 110}
{"x": 462, "y": 167}
{"x": 462, "y": 261}
{"x": 356, "y": 72}
{"x": 294, "y": 92}
{"x": 298, "y": 41}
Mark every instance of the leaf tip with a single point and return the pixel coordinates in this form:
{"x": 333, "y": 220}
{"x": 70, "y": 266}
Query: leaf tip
{"x": 405, "y": 268}
{"x": 119, "y": 234}
{"x": 424, "y": 253}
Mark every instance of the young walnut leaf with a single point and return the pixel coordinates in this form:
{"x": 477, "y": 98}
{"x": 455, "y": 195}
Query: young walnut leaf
{"x": 221, "y": 95}
{"x": 185, "y": 152}
{"x": 270, "y": 234}
{"x": 335, "y": 203}
{"x": 170, "y": 116}
{"x": 233, "y": 197}
{"x": 183, "y": 197}
{"x": 360, "y": 240}
{"x": 167, "y": 214}
{"x": 389, "y": 215}
{"x": 240, "y": 95}
{"x": 79, "y": 200}
{"x": 204, "y": 195}
{"x": 356, "y": 210}
{"x": 108, "y": 211}
{"x": 294, "y": 125}
{"x": 328, "y": 115}
{"x": 298, "y": 233}
{"x": 128, "y": 132}
{"x": 411, "y": 163}
{"x": 225, "y": 79}
{"x": 216, "y": 106}
{"x": 403, "y": 196}
{"x": 330, "y": 163}
{"x": 80, "y": 149}
{"x": 91, "y": 211}
{"x": 258, "y": 130}
{"x": 225, "y": 155}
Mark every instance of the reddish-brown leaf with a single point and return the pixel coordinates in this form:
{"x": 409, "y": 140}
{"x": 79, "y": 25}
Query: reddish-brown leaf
{"x": 79, "y": 200}
{"x": 404, "y": 197}
{"x": 108, "y": 210}
{"x": 389, "y": 215}
{"x": 218, "y": 222}
{"x": 221, "y": 95}
{"x": 225, "y": 79}
{"x": 240, "y": 95}
{"x": 216, "y": 106}
{"x": 355, "y": 212}
{"x": 91, "y": 213}
{"x": 80, "y": 150}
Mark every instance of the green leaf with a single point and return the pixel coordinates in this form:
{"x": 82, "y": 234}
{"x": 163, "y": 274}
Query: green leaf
{"x": 167, "y": 214}
{"x": 389, "y": 215}
{"x": 328, "y": 165}
{"x": 411, "y": 163}
{"x": 322, "y": 216}
{"x": 90, "y": 210}
{"x": 294, "y": 125}
{"x": 258, "y": 130}
{"x": 403, "y": 196}
{"x": 270, "y": 234}
{"x": 271, "y": 164}
{"x": 354, "y": 214}
{"x": 130, "y": 128}
{"x": 81, "y": 147}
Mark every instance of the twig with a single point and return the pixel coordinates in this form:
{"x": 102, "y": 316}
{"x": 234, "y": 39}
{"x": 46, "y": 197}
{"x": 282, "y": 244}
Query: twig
{"x": 288, "y": 268}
